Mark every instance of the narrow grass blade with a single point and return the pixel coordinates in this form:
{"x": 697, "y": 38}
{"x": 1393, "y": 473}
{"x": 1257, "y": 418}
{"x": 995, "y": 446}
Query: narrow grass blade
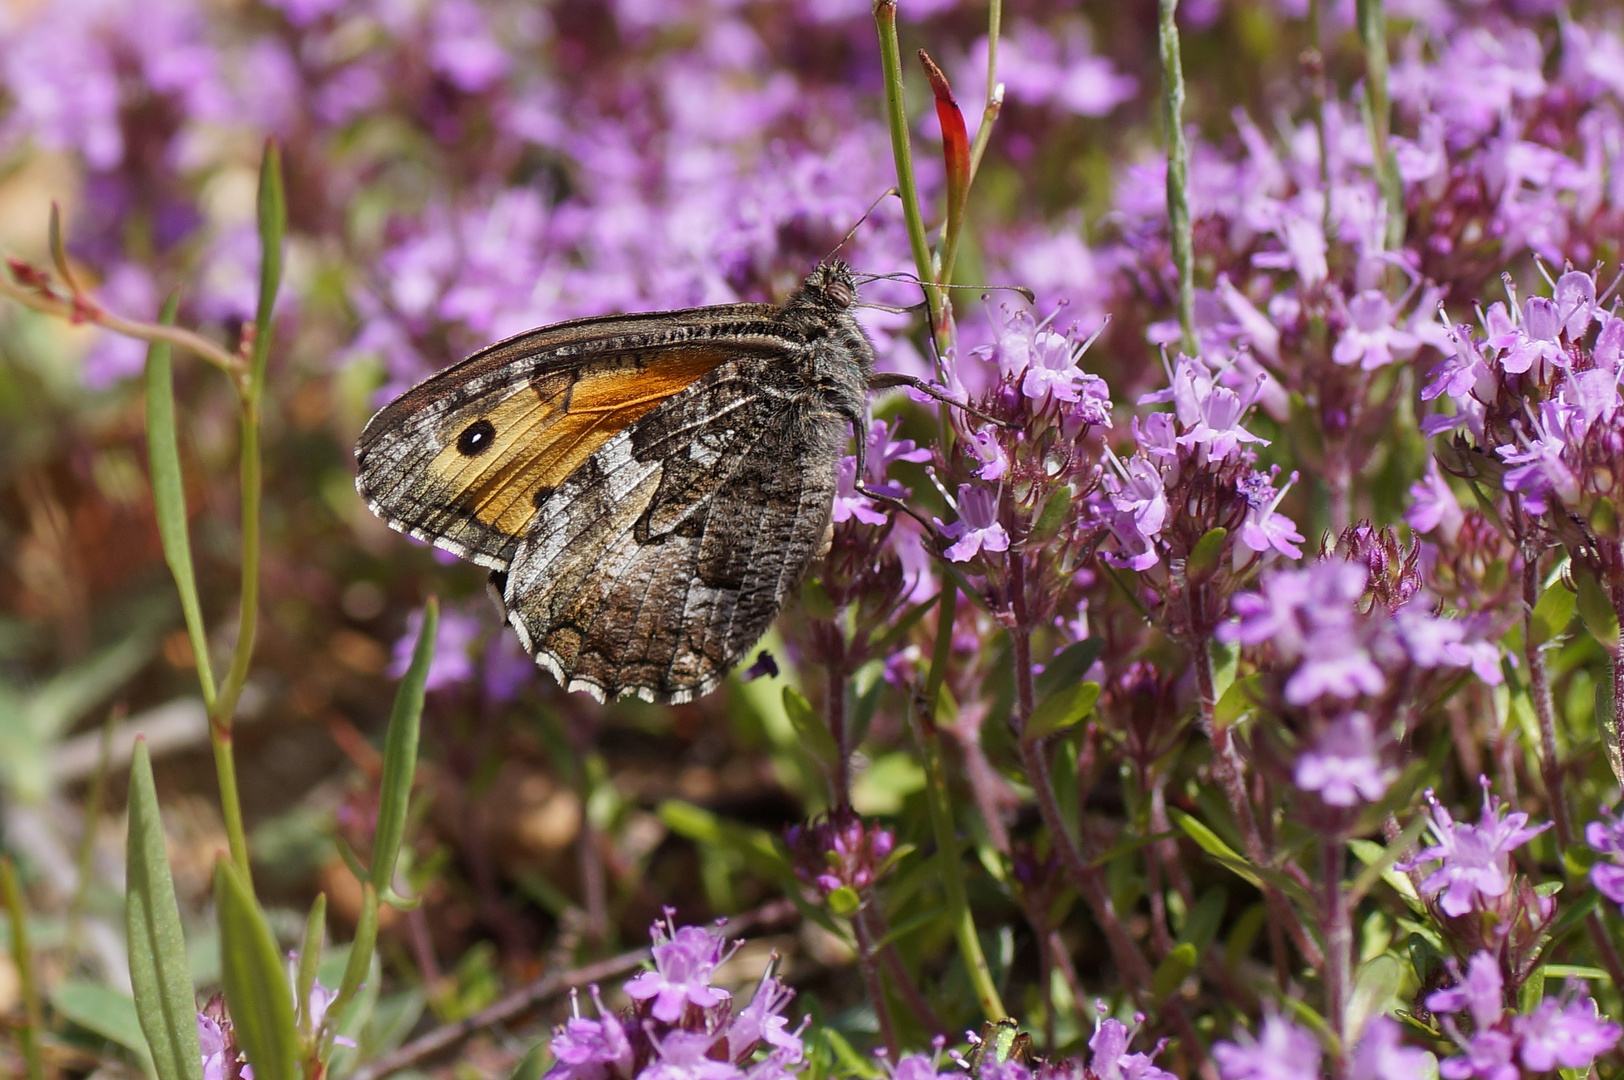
{"x": 255, "y": 979}
{"x": 159, "y": 972}
{"x": 400, "y": 754}
{"x": 169, "y": 497}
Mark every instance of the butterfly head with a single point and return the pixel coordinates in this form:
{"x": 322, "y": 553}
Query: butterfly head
{"x": 831, "y": 286}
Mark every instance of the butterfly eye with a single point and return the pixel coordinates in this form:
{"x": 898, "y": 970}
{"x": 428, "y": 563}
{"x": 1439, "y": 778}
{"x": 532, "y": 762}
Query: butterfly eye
{"x": 840, "y": 293}
{"x": 476, "y": 438}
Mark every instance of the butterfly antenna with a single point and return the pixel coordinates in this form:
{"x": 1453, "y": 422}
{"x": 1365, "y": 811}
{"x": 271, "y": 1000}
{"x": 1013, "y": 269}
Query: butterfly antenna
{"x": 851, "y": 232}
{"x": 913, "y": 279}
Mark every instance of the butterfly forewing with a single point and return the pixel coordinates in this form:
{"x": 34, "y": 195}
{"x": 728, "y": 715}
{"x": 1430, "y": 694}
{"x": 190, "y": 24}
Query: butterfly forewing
{"x": 460, "y": 459}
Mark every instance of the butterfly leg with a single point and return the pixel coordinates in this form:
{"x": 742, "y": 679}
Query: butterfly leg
{"x": 860, "y": 428}
{"x": 888, "y": 380}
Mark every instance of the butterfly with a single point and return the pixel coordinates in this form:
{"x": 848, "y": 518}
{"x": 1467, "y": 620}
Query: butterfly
{"x": 646, "y": 490}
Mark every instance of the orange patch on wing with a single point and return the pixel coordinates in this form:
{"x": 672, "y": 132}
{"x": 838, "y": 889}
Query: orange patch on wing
{"x": 548, "y": 428}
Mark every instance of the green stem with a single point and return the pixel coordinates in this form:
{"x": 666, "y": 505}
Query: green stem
{"x": 1316, "y": 77}
{"x": 23, "y": 957}
{"x": 1372, "y": 16}
{"x": 989, "y": 114}
{"x": 995, "y": 97}
{"x": 885, "y": 18}
{"x": 947, "y": 858}
{"x": 941, "y": 816}
{"x": 221, "y": 721}
{"x": 65, "y": 309}
{"x": 272, "y": 216}
{"x": 1178, "y": 173}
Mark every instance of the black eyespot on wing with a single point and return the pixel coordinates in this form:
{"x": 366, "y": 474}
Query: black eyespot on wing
{"x": 476, "y": 438}
{"x": 542, "y": 495}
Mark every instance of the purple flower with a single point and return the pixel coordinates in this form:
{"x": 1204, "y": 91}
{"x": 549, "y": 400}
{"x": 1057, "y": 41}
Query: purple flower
{"x": 1480, "y": 992}
{"x": 686, "y": 1055}
{"x": 1434, "y": 505}
{"x": 1209, "y": 413}
{"x": 1535, "y": 340}
{"x": 1281, "y": 1051}
{"x": 1380, "y": 1055}
{"x": 1040, "y": 67}
{"x": 1111, "y": 1061}
{"x": 983, "y": 445}
{"x": 840, "y": 851}
{"x": 921, "y": 1067}
{"x": 1264, "y": 527}
{"x": 1343, "y": 766}
{"x": 1488, "y": 1054}
{"x": 684, "y": 961}
{"x": 1371, "y": 339}
{"x": 1043, "y": 363}
{"x": 218, "y": 1043}
{"x": 882, "y": 451}
{"x": 1607, "y": 837}
{"x": 1540, "y": 469}
{"x": 977, "y": 529}
{"x": 1334, "y": 662}
{"x": 461, "y": 46}
{"x": 760, "y": 1022}
{"x": 590, "y": 1049}
{"x": 1474, "y": 861}
{"x": 1567, "y": 1034}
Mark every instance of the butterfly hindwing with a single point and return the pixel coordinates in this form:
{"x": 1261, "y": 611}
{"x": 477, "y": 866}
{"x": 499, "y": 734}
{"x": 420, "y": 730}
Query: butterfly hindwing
{"x": 672, "y": 548}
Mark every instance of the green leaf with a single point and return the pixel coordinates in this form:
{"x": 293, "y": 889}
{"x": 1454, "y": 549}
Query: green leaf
{"x": 1060, "y": 710}
{"x": 360, "y": 958}
{"x": 1171, "y": 972}
{"x": 1573, "y": 971}
{"x": 1069, "y": 665}
{"x": 169, "y": 497}
{"x": 1373, "y": 856}
{"x": 844, "y": 901}
{"x": 1204, "y": 558}
{"x": 1553, "y": 612}
{"x": 1375, "y": 989}
{"x": 159, "y": 973}
{"x": 400, "y": 754}
{"x": 815, "y": 599}
{"x": 757, "y": 847}
{"x": 254, "y": 979}
{"x": 1213, "y": 845}
{"x": 814, "y": 733}
{"x": 1205, "y": 838}
{"x": 273, "y": 225}
{"x": 111, "y": 1015}
{"x": 1202, "y": 924}
{"x": 1124, "y": 847}
{"x": 903, "y": 929}
{"x": 532, "y": 1065}
{"x": 1226, "y": 659}
{"x": 1050, "y": 518}
{"x": 1595, "y": 607}
{"x": 1379, "y": 862}
{"x": 1607, "y": 728}
{"x": 309, "y": 956}
{"x": 1238, "y": 700}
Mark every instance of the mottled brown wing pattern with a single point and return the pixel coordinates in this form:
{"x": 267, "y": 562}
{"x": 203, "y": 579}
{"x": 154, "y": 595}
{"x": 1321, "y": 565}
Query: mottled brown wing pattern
{"x": 645, "y": 488}
{"x": 661, "y": 560}
{"x": 461, "y": 459}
